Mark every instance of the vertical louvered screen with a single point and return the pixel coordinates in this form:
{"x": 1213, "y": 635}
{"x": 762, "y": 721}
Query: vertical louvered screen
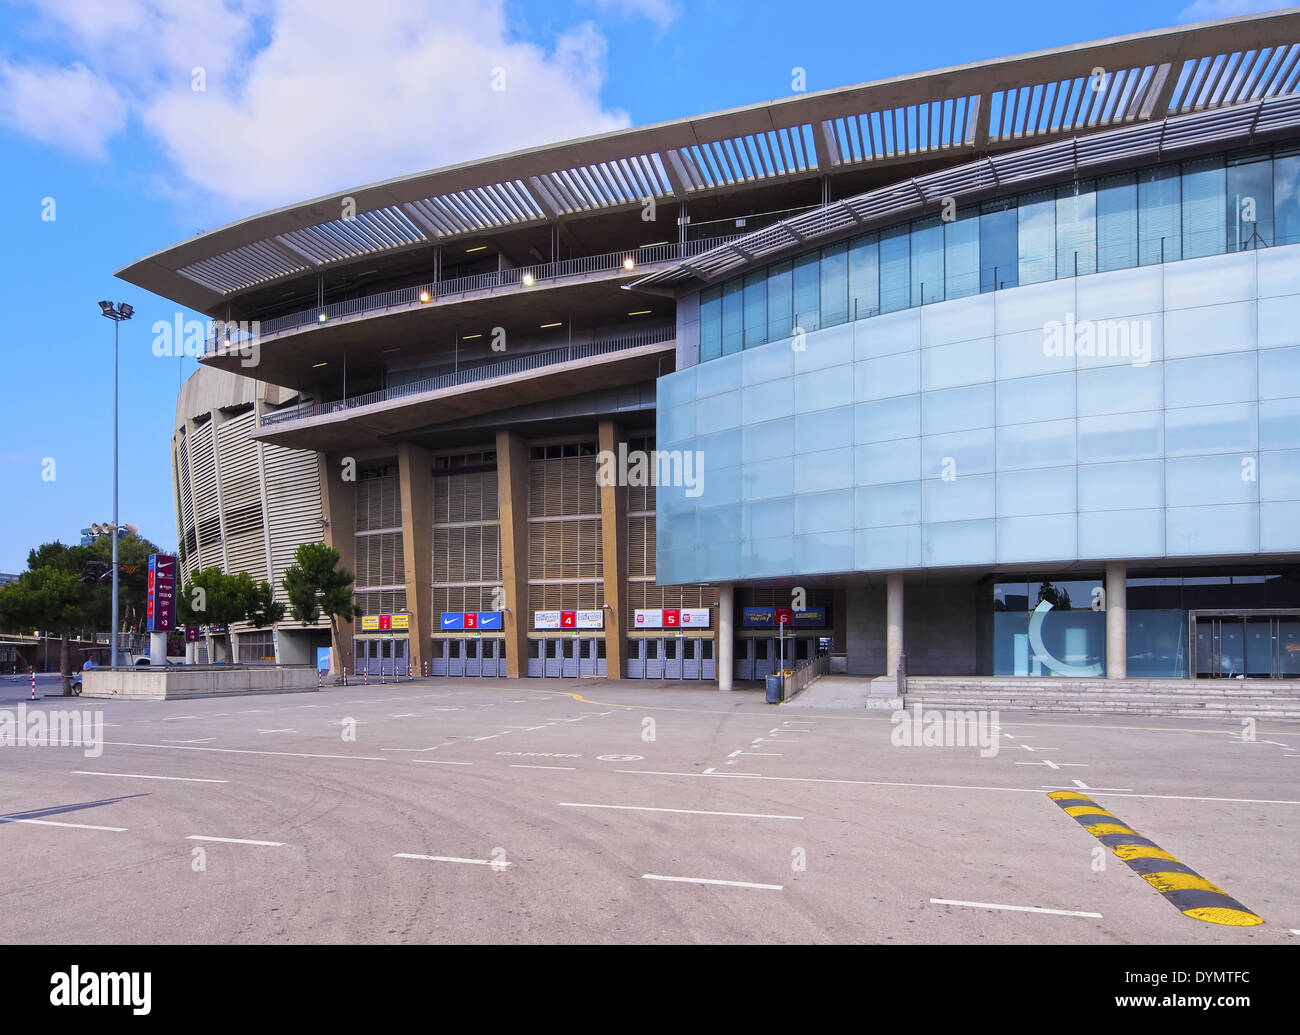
{"x": 203, "y": 475}
{"x": 466, "y": 542}
{"x": 565, "y": 550}
{"x": 293, "y": 506}
{"x": 241, "y": 497}
{"x": 380, "y": 562}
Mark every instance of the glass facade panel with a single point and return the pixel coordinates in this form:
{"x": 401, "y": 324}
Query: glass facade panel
{"x": 1117, "y": 222}
{"x": 780, "y": 314}
{"x": 999, "y": 252}
{"x": 1076, "y": 229}
{"x": 835, "y": 285}
{"x": 733, "y": 317}
{"x": 1037, "y": 237}
{"x": 961, "y": 256}
{"x": 710, "y": 323}
{"x": 895, "y": 269}
{"x": 1249, "y": 215}
{"x": 864, "y": 277}
{"x": 927, "y": 261}
{"x": 1286, "y": 199}
{"x": 807, "y": 291}
{"x": 1160, "y": 233}
{"x": 755, "y": 308}
{"x": 1203, "y": 215}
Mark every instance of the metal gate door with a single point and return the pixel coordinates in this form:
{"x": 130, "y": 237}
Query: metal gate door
{"x": 553, "y": 648}
{"x": 473, "y": 657}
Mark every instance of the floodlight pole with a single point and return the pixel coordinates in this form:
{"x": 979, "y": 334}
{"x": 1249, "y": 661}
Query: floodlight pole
{"x": 113, "y": 653}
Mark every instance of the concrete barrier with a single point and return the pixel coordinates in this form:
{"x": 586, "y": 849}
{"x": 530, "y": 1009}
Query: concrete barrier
{"x": 182, "y": 681}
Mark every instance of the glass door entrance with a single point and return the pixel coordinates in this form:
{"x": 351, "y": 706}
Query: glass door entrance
{"x": 1249, "y": 645}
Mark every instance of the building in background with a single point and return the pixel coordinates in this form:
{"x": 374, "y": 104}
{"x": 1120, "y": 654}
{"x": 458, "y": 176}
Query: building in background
{"x": 995, "y": 368}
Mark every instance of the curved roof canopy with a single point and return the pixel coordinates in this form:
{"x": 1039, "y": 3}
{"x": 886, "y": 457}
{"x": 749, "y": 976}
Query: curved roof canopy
{"x": 962, "y": 111}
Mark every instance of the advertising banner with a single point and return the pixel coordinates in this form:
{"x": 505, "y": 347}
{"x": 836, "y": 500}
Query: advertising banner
{"x": 160, "y": 604}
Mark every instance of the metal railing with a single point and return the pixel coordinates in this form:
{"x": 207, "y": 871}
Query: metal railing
{"x": 805, "y": 673}
{"x": 518, "y": 276}
{"x": 484, "y": 372}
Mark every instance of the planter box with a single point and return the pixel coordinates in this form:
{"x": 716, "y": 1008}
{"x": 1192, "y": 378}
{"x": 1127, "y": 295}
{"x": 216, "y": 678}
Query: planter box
{"x": 183, "y": 681}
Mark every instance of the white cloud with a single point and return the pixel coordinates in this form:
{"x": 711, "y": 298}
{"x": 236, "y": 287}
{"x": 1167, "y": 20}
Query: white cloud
{"x": 1212, "y": 10}
{"x": 305, "y": 97}
{"x": 661, "y": 12}
{"x": 67, "y": 107}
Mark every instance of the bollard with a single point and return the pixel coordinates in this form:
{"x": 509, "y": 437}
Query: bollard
{"x": 426, "y": 668}
{"x": 33, "y": 684}
{"x": 382, "y": 677}
{"x": 320, "y": 679}
{"x": 365, "y": 676}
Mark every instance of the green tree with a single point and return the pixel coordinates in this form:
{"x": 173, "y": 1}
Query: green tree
{"x": 211, "y": 597}
{"x": 49, "y": 599}
{"x": 316, "y": 585}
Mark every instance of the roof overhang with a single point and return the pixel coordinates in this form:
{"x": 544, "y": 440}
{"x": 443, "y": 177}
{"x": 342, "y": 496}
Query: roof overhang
{"x": 976, "y": 108}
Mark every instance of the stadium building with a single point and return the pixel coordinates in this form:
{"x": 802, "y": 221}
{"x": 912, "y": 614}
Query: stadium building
{"x": 994, "y": 368}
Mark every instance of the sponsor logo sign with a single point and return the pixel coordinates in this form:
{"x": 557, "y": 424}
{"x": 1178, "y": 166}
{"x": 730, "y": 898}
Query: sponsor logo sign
{"x": 160, "y": 605}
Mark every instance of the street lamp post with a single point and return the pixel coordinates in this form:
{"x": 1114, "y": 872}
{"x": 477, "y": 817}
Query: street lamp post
{"x": 123, "y": 312}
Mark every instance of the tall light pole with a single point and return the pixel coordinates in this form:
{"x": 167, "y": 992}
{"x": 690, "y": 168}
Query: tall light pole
{"x": 122, "y": 312}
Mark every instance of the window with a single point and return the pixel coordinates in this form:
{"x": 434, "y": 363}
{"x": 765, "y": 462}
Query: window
{"x": 895, "y": 269}
{"x": 927, "y": 261}
{"x": 961, "y": 256}
{"x": 710, "y": 323}
{"x": 1249, "y": 203}
{"x": 755, "y": 302}
{"x": 1286, "y": 198}
{"x": 1076, "y": 229}
{"x": 1159, "y": 223}
{"x": 999, "y": 254}
{"x": 835, "y": 284}
{"x": 1117, "y": 223}
{"x": 807, "y": 291}
{"x": 864, "y": 277}
{"x": 1036, "y": 237}
{"x": 780, "y": 317}
{"x": 733, "y": 316}
{"x": 1203, "y": 212}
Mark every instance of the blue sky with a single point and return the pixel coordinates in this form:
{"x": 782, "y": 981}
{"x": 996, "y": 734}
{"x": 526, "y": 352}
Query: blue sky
{"x": 98, "y": 111}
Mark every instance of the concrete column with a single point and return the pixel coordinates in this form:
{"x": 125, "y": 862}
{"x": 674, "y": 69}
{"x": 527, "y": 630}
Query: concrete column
{"x": 1116, "y": 620}
{"x": 512, "y": 500}
{"x": 415, "y": 478}
{"x": 613, "y": 534}
{"x": 726, "y": 635}
{"x": 339, "y": 506}
{"x": 893, "y": 623}
{"x": 157, "y": 648}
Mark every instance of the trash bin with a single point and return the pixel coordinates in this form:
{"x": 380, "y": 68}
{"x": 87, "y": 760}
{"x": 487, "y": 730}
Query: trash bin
{"x": 774, "y": 689}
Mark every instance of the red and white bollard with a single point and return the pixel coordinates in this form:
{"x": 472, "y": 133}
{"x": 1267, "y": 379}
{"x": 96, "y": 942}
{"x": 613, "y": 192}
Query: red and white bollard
{"x": 382, "y": 679}
{"x": 320, "y": 679}
{"x": 426, "y": 668}
{"x": 365, "y": 676}
{"x": 33, "y": 684}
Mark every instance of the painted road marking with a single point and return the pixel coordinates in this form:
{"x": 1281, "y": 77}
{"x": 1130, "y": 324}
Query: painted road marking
{"x": 692, "y": 812}
{"x": 1056, "y": 765}
{"x": 494, "y": 863}
{"x": 277, "y": 731}
{"x": 709, "y": 880}
{"x": 435, "y": 761}
{"x": 1078, "y": 783}
{"x": 940, "y": 786}
{"x": 1184, "y": 888}
{"x": 142, "y": 776}
{"x": 524, "y": 765}
{"x": 1018, "y": 909}
{"x": 55, "y": 823}
{"x": 245, "y": 751}
{"x": 196, "y": 740}
{"x": 235, "y": 841}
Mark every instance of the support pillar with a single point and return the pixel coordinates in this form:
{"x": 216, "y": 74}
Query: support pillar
{"x": 157, "y": 648}
{"x": 415, "y": 481}
{"x": 1116, "y": 620}
{"x": 339, "y": 509}
{"x": 893, "y": 623}
{"x": 613, "y": 533}
{"x": 726, "y": 635}
{"x": 512, "y": 501}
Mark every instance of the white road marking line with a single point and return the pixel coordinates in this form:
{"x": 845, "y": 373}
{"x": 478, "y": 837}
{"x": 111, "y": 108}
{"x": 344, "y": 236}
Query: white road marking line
{"x": 1058, "y": 787}
{"x": 251, "y": 711}
{"x": 490, "y": 736}
{"x": 245, "y": 751}
{"x": 944, "y": 786}
{"x": 177, "y": 718}
{"x": 1275, "y": 743}
{"x": 1295, "y": 932}
{"x": 521, "y": 765}
{"x": 142, "y": 776}
{"x": 277, "y": 731}
{"x": 1018, "y": 909}
{"x": 404, "y": 715}
{"x": 453, "y": 859}
{"x": 435, "y": 761}
{"x": 1056, "y": 765}
{"x": 709, "y": 880}
{"x": 196, "y": 740}
{"x": 235, "y": 841}
{"x": 53, "y": 823}
{"x": 417, "y": 750}
{"x": 692, "y": 812}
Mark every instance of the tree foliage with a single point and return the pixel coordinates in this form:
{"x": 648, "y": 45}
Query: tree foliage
{"x": 316, "y": 585}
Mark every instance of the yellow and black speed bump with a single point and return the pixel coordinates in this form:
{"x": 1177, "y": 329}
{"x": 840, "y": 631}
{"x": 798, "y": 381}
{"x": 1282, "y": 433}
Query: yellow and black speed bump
{"x": 1184, "y": 888}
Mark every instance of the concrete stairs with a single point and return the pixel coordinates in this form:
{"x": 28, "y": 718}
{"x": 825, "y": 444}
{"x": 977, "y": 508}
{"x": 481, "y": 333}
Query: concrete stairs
{"x": 1200, "y": 698}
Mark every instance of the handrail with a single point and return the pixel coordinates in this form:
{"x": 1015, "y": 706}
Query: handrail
{"x": 483, "y": 372}
{"x": 231, "y": 335}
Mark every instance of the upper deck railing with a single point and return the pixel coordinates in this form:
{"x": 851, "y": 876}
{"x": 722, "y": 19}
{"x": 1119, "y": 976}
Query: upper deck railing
{"x": 484, "y": 372}
{"x": 518, "y": 276}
